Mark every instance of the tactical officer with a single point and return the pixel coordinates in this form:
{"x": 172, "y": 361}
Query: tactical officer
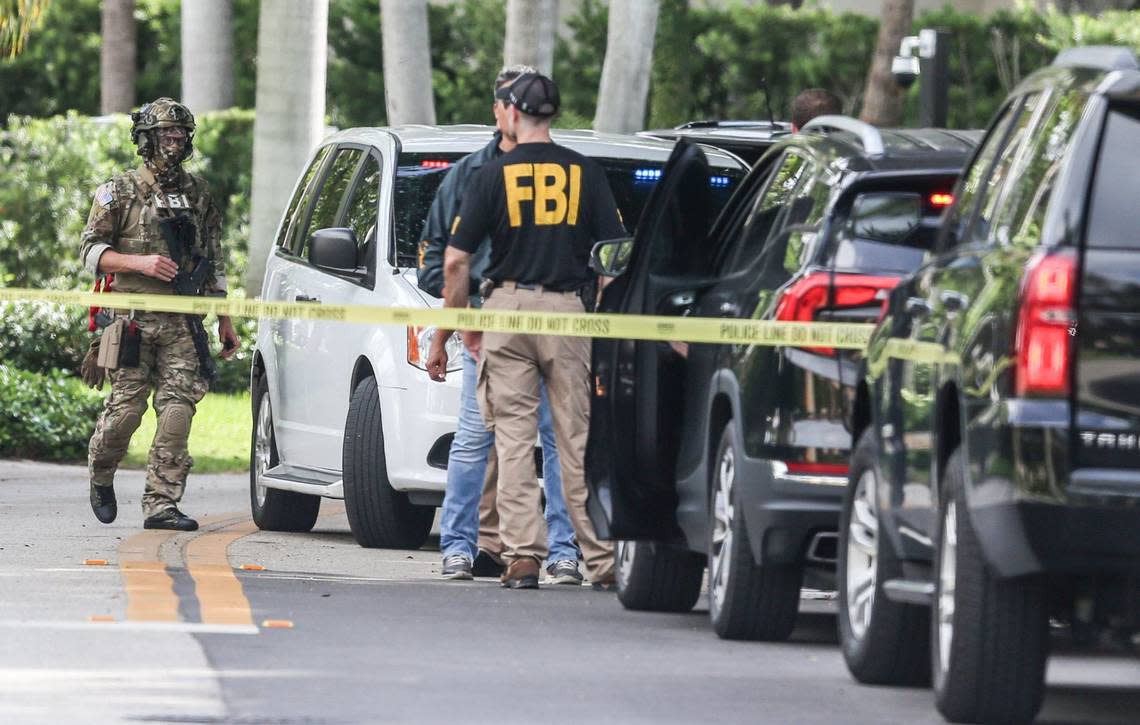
{"x": 141, "y": 222}
{"x": 544, "y": 206}
{"x": 469, "y": 523}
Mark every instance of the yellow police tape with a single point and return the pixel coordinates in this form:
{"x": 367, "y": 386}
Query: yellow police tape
{"x": 847, "y": 336}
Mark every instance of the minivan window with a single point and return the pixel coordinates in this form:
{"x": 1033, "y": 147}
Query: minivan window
{"x": 296, "y": 206}
{"x": 1113, "y": 217}
{"x": 418, "y": 176}
{"x": 360, "y": 214}
{"x": 332, "y": 193}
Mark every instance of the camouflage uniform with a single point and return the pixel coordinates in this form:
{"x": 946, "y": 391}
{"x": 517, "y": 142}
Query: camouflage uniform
{"x": 124, "y": 218}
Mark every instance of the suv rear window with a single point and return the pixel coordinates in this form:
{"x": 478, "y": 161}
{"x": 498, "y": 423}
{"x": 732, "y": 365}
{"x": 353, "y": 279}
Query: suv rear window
{"x": 1114, "y": 221}
{"x": 419, "y": 176}
{"x": 889, "y": 231}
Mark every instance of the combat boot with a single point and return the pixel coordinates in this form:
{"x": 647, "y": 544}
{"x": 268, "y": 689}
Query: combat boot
{"x": 103, "y": 503}
{"x": 521, "y": 574}
{"x": 172, "y": 519}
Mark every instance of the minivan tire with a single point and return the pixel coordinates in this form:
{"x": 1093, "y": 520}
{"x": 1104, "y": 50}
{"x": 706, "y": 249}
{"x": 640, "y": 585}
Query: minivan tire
{"x": 273, "y": 509}
{"x": 893, "y": 648}
{"x": 656, "y": 577}
{"x": 378, "y": 515}
{"x": 994, "y": 667}
{"x": 754, "y": 602}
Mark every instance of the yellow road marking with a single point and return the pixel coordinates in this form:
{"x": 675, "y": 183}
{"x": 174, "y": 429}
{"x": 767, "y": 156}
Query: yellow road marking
{"x": 220, "y": 595}
{"x": 95, "y": 562}
{"x": 150, "y": 590}
{"x": 278, "y": 624}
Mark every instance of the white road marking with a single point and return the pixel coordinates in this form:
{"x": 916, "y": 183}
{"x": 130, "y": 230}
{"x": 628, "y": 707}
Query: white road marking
{"x": 134, "y": 626}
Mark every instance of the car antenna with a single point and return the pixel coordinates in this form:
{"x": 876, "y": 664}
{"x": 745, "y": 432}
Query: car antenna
{"x": 768, "y": 101}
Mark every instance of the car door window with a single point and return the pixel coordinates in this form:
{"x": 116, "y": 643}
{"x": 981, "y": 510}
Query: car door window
{"x": 770, "y": 204}
{"x": 300, "y": 202}
{"x": 331, "y": 195}
{"x": 360, "y": 212}
{"x": 1113, "y": 215}
{"x": 973, "y": 180}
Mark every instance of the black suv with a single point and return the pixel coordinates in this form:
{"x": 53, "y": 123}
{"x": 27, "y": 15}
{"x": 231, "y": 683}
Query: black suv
{"x": 996, "y": 479}
{"x": 738, "y": 453}
{"x": 747, "y": 139}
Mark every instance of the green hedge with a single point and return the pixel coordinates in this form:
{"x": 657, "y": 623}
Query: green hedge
{"x": 47, "y": 417}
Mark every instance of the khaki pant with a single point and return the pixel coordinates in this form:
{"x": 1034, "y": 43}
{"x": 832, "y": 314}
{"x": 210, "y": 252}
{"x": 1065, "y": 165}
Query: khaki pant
{"x": 168, "y": 365}
{"x": 509, "y": 374}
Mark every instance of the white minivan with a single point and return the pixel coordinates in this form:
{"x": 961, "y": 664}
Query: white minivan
{"x": 346, "y": 410}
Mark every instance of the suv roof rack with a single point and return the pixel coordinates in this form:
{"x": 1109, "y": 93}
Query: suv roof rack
{"x": 1105, "y": 57}
{"x": 868, "y": 135}
{"x": 730, "y": 124}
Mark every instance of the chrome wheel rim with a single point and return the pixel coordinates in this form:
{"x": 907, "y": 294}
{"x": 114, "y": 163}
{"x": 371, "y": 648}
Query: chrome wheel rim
{"x": 947, "y": 580}
{"x": 625, "y": 554}
{"x": 862, "y": 555}
{"x": 262, "y": 449}
{"x": 722, "y": 538}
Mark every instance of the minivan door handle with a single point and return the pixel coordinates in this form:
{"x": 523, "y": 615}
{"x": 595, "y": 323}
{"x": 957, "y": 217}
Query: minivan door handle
{"x": 306, "y": 298}
{"x": 954, "y": 301}
{"x": 917, "y": 307}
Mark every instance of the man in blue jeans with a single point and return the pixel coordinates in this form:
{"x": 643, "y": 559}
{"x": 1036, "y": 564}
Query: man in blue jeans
{"x": 469, "y": 537}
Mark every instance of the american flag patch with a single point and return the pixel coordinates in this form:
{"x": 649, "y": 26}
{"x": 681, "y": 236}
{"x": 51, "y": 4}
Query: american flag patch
{"x": 105, "y": 194}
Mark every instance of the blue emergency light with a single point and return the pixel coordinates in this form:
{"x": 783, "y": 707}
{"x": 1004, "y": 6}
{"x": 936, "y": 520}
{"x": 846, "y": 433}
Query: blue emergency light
{"x": 718, "y": 182}
{"x": 647, "y": 174}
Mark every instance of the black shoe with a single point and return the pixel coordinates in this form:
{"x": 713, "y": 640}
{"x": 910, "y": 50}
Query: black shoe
{"x": 172, "y": 519}
{"x": 456, "y": 566}
{"x": 486, "y": 565}
{"x": 103, "y": 503}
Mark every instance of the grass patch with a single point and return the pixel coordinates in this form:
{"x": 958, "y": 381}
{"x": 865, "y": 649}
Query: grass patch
{"x": 219, "y": 437}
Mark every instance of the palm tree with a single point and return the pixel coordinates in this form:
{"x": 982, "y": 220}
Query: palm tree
{"x": 530, "y": 33}
{"x": 117, "y": 60}
{"x": 624, "y": 89}
{"x": 16, "y": 20}
{"x": 208, "y": 54}
{"x": 883, "y": 99}
{"x": 407, "y": 61}
{"x": 292, "y": 43}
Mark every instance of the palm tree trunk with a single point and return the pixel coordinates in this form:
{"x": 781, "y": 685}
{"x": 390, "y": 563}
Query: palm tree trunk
{"x": 624, "y": 88}
{"x": 883, "y": 99}
{"x": 208, "y": 54}
{"x": 530, "y": 33}
{"x": 407, "y": 62}
{"x": 292, "y": 44}
{"x": 118, "y": 57}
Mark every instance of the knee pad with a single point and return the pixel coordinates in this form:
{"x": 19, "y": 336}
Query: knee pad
{"x": 119, "y": 428}
{"x": 174, "y": 424}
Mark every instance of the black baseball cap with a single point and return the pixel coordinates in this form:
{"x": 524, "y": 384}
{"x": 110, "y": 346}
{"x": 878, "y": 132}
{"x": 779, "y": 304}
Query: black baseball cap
{"x": 532, "y": 93}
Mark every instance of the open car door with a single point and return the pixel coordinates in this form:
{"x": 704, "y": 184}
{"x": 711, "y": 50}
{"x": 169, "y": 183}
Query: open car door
{"x": 639, "y": 386}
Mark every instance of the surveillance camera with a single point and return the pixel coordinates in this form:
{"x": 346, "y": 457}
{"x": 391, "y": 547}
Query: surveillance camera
{"x": 905, "y": 70}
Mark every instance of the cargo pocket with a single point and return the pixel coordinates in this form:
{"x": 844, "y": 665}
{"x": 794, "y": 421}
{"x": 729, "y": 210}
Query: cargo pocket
{"x": 483, "y": 394}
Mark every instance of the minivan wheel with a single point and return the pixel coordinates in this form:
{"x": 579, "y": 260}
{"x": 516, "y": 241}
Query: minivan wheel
{"x": 989, "y": 636}
{"x": 656, "y": 577}
{"x": 378, "y": 515}
{"x": 883, "y": 642}
{"x": 746, "y": 601}
{"x": 273, "y": 510}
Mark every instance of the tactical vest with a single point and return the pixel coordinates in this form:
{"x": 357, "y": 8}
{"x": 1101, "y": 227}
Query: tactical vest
{"x": 143, "y": 203}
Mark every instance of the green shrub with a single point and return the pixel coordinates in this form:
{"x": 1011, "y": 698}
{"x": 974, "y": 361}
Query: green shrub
{"x": 53, "y": 165}
{"x": 43, "y": 337}
{"x": 47, "y": 417}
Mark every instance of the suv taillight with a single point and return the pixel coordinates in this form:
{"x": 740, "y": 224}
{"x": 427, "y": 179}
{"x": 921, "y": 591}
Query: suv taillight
{"x": 804, "y": 300}
{"x": 1044, "y": 321}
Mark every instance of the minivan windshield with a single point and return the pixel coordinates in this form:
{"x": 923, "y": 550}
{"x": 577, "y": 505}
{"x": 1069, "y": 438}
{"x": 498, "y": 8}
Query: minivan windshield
{"x": 418, "y": 176}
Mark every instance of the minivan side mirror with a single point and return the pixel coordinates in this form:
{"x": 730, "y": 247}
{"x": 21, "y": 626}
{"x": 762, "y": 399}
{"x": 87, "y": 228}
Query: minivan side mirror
{"x": 610, "y": 257}
{"x": 333, "y": 249}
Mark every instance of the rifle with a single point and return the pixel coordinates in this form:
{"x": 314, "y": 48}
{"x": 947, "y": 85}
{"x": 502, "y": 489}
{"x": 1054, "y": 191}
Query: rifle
{"x": 180, "y": 234}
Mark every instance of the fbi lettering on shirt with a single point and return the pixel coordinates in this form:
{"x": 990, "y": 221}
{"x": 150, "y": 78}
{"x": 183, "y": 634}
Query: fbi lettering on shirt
{"x": 548, "y": 193}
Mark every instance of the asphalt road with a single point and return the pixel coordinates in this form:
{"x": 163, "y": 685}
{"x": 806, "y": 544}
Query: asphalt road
{"x": 173, "y": 629}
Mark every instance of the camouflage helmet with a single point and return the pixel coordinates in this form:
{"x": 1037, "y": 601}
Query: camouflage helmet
{"x": 161, "y": 113}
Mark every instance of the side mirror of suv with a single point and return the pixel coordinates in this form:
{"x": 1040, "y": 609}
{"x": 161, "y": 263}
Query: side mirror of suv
{"x": 609, "y": 258}
{"x": 333, "y": 249}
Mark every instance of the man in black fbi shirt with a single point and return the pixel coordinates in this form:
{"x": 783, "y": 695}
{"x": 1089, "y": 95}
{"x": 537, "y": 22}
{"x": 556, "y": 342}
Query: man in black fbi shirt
{"x": 544, "y": 206}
